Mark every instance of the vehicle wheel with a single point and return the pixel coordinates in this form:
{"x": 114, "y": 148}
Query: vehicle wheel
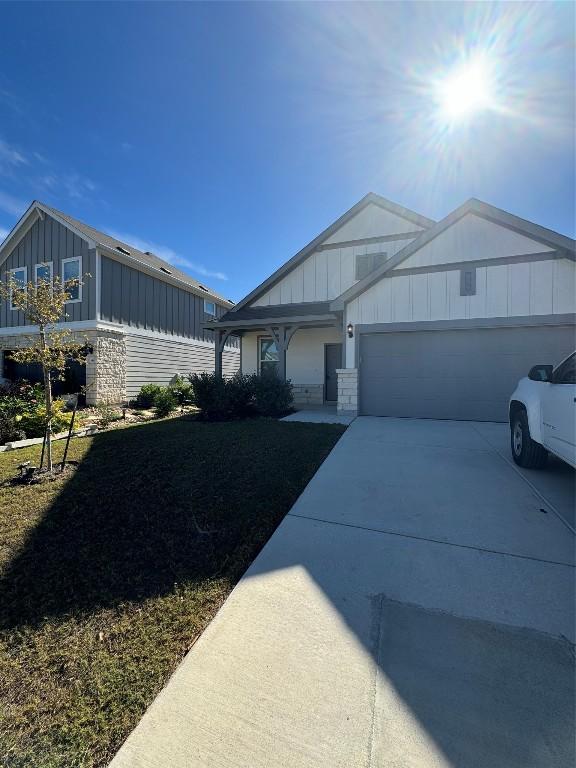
{"x": 525, "y": 451}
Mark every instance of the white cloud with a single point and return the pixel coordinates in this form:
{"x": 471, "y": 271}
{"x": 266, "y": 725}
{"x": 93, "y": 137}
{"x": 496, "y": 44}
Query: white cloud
{"x": 3, "y": 234}
{"x": 12, "y": 205}
{"x": 166, "y": 253}
{"x": 10, "y": 157}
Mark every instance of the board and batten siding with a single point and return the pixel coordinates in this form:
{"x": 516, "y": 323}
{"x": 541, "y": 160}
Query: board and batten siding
{"x": 156, "y": 360}
{"x": 506, "y": 290}
{"x": 324, "y": 275}
{"x": 473, "y": 238}
{"x": 132, "y": 298}
{"x": 48, "y": 240}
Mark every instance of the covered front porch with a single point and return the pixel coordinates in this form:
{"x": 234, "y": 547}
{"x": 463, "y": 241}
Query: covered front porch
{"x": 306, "y": 349}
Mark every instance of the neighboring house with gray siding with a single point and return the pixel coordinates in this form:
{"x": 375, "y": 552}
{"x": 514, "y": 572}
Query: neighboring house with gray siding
{"x": 389, "y": 313}
{"x": 143, "y": 318}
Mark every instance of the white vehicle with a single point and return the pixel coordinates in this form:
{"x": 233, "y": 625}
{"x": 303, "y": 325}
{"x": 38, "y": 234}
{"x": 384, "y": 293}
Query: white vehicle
{"x": 543, "y": 415}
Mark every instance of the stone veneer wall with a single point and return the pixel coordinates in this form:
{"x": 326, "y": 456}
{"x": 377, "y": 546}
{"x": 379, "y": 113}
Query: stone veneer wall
{"x": 347, "y": 390}
{"x": 308, "y": 394}
{"x": 106, "y": 368}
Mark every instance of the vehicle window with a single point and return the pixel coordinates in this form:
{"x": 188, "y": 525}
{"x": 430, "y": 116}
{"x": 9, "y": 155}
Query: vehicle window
{"x": 566, "y": 373}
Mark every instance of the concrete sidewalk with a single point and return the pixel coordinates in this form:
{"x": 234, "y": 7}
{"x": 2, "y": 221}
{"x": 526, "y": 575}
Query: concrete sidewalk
{"x": 414, "y": 609}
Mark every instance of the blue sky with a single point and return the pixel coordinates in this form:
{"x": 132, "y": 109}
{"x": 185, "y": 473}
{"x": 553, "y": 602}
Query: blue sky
{"x": 226, "y": 136}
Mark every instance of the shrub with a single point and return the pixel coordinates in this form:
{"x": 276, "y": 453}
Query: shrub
{"x": 272, "y": 396}
{"x": 240, "y": 396}
{"x": 146, "y": 398}
{"x": 164, "y": 403}
{"x": 9, "y": 429}
{"x": 181, "y": 389}
{"x": 33, "y": 420}
{"x": 210, "y": 396}
{"x": 107, "y": 414}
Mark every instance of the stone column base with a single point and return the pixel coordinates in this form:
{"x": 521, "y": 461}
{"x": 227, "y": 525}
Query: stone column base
{"x": 308, "y": 394}
{"x": 106, "y": 368}
{"x": 347, "y": 390}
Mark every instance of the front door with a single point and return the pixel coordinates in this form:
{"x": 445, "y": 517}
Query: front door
{"x": 332, "y": 361}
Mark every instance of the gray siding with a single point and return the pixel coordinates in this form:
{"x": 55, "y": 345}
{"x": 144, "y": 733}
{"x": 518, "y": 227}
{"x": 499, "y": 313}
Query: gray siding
{"x": 130, "y": 297}
{"x": 48, "y": 240}
{"x": 150, "y": 360}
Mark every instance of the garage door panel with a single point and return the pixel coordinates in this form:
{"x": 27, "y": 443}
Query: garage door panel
{"x": 457, "y": 374}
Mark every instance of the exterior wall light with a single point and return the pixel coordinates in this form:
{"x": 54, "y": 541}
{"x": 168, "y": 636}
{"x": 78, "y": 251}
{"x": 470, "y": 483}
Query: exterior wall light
{"x": 350, "y": 330}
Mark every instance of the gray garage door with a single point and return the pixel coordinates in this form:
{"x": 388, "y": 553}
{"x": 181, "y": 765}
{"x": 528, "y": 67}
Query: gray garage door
{"x": 453, "y": 374}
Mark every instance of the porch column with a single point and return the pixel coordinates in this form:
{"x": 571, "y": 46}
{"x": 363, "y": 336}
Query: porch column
{"x": 220, "y": 339}
{"x": 282, "y": 336}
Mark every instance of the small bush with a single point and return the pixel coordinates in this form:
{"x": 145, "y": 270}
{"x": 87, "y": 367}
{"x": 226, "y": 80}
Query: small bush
{"x": 181, "y": 389}
{"x": 272, "y": 396}
{"x": 210, "y": 396}
{"x": 33, "y": 420}
{"x": 146, "y": 398}
{"x": 107, "y": 414}
{"x": 164, "y": 403}
{"x": 240, "y": 396}
{"x": 10, "y": 429}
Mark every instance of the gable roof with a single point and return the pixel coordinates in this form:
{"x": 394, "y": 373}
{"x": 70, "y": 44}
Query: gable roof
{"x": 565, "y": 246}
{"x": 370, "y": 198}
{"x": 98, "y": 238}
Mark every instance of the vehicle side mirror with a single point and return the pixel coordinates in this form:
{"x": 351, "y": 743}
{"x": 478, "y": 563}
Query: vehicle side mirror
{"x": 541, "y": 373}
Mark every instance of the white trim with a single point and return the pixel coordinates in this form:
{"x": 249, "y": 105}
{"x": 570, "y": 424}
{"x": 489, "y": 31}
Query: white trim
{"x": 98, "y": 283}
{"x": 43, "y": 264}
{"x": 10, "y": 281}
{"x": 71, "y": 227}
{"x": 66, "y": 261}
{"x": 102, "y": 325}
{"x": 22, "y": 227}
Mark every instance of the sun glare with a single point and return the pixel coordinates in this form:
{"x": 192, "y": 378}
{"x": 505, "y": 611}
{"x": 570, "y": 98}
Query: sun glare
{"x": 467, "y": 90}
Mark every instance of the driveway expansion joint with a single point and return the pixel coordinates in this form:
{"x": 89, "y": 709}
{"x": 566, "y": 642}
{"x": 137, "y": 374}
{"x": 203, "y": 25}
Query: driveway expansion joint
{"x": 432, "y": 541}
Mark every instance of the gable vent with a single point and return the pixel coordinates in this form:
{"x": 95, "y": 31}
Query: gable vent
{"x": 123, "y": 250}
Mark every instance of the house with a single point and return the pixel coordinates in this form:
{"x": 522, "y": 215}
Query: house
{"x": 142, "y": 317}
{"x": 389, "y": 313}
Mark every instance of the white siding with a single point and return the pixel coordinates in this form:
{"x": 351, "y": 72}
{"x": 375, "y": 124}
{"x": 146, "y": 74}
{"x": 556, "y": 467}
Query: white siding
{"x": 305, "y": 356}
{"x": 508, "y": 290}
{"x": 372, "y": 221}
{"x": 473, "y": 238}
{"x": 324, "y": 275}
{"x": 157, "y": 360}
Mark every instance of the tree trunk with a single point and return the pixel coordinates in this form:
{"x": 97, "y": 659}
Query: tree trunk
{"x": 48, "y": 401}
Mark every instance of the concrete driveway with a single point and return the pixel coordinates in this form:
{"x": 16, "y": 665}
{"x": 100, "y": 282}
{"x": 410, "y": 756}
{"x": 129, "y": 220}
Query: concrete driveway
{"x": 415, "y": 608}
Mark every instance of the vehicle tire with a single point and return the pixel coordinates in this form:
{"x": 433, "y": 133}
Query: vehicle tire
{"x": 525, "y": 451}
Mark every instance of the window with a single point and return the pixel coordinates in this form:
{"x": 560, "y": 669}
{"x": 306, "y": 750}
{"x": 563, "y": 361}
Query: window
{"x": 566, "y": 371}
{"x": 367, "y": 263}
{"x": 210, "y": 308}
{"x": 268, "y": 358}
{"x": 17, "y": 278}
{"x": 468, "y": 282}
{"x": 71, "y": 274}
{"x": 43, "y": 273}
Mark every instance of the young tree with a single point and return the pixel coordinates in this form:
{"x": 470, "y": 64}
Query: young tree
{"x": 43, "y": 304}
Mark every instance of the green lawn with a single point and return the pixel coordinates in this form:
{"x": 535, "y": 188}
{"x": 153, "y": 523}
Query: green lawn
{"x": 107, "y": 582}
